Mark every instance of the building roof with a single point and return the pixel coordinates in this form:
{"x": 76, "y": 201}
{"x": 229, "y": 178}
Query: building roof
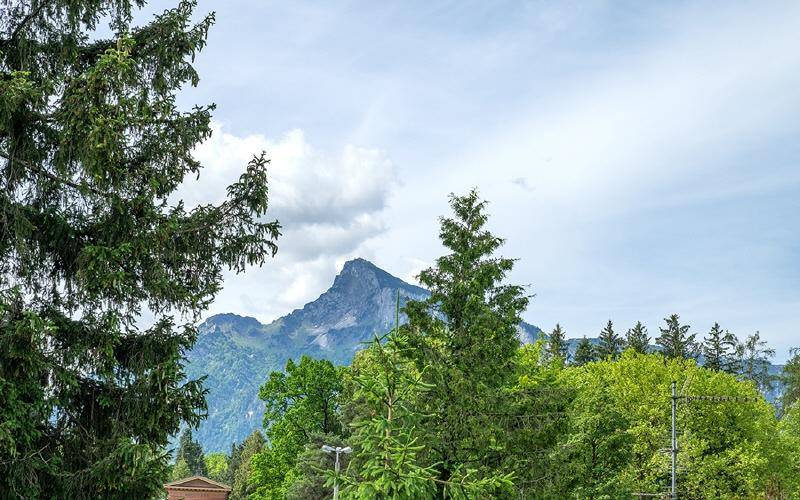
{"x": 201, "y": 483}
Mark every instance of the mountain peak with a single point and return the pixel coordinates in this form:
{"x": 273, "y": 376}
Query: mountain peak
{"x": 361, "y": 273}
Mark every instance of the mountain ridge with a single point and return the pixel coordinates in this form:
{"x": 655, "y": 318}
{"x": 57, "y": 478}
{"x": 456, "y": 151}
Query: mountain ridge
{"x": 236, "y": 353}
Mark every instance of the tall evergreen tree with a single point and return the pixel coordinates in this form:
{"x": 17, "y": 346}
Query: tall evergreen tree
{"x": 386, "y": 436}
{"x": 584, "y": 353}
{"x": 191, "y": 452}
{"x": 675, "y": 340}
{"x": 557, "y": 350}
{"x": 465, "y": 336}
{"x": 240, "y": 471}
{"x": 637, "y": 338}
{"x": 719, "y": 350}
{"x": 92, "y": 148}
{"x": 610, "y": 343}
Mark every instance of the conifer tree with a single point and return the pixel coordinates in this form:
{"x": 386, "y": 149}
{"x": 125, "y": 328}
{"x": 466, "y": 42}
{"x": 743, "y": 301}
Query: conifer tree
{"x": 465, "y": 338}
{"x": 610, "y": 343}
{"x": 386, "y": 437}
{"x": 557, "y": 350}
{"x": 675, "y": 340}
{"x": 584, "y": 353}
{"x": 719, "y": 350}
{"x": 241, "y": 487}
{"x": 92, "y": 148}
{"x": 191, "y": 453}
{"x": 637, "y": 338}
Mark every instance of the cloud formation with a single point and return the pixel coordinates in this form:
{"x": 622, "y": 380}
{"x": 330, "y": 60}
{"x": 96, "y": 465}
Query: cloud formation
{"x": 659, "y": 140}
{"x": 329, "y": 205}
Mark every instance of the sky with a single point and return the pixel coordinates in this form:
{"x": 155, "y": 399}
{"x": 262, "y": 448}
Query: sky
{"x": 640, "y": 158}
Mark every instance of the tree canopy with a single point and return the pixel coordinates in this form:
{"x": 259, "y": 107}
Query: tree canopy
{"x": 675, "y": 340}
{"x": 92, "y": 148}
{"x": 610, "y": 343}
{"x": 637, "y": 338}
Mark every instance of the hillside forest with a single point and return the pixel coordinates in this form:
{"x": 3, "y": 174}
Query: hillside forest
{"x": 447, "y": 404}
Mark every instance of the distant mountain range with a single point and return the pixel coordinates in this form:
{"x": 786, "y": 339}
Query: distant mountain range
{"x": 237, "y": 353}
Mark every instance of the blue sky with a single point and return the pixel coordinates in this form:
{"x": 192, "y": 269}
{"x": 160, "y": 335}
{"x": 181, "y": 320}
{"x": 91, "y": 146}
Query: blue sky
{"x": 641, "y": 158}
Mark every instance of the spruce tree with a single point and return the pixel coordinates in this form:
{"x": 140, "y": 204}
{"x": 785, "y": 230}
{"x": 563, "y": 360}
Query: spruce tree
{"x": 637, "y": 338}
{"x": 557, "y": 350}
{"x": 719, "y": 350}
{"x": 584, "y": 353}
{"x": 465, "y": 338}
{"x": 191, "y": 453}
{"x": 92, "y": 148}
{"x": 610, "y": 343}
{"x": 241, "y": 487}
{"x": 675, "y": 340}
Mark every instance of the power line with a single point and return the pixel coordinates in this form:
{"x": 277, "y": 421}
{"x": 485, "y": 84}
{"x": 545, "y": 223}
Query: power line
{"x": 673, "y": 449}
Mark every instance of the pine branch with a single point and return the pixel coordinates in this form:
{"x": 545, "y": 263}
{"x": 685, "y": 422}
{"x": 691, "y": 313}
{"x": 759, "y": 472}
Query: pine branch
{"x": 53, "y": 177}
{"x": 23, "y": 24}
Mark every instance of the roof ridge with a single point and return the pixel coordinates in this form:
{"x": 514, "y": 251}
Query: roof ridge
{"x": 202, "y": 478}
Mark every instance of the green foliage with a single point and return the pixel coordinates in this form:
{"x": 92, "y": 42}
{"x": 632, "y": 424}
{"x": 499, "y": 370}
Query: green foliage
{"x": 300, "y": 401}
{"x": 788, "y": 481}
{"x": 191, "y": 453}
{"x": 584, "y": 353}
{"x": 535, "y": 423}
{"x": 92, "y": 148}
{"x": 675, "y": 340}
{"x": 637, "y": 338}
{"x": 241, "y": 465}
{"x": 790, "y": 378}
{"x": 557, "y": 350}
{"x": 386, "y": 437}
{"x": 463, "y": 341}
{"x": 470, "y": 313}
{"x": 627, "y": 401}
{"x": 753, "y": 362}
{"x": 596, "y": 449}
{"x": 610, "y": 343}
{"x": 180, "y": 470}
{"x": 719, "y": 350}
{"x": 310, "y": 477}
{"x": 217, "y": 466}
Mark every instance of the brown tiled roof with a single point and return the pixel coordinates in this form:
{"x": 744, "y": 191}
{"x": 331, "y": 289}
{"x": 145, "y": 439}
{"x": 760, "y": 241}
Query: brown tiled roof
{"x": 197, "y": 483}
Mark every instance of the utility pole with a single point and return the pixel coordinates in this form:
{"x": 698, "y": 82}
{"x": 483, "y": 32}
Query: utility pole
{"x": 674, "y": 447}
{"x": 337, "y": 450}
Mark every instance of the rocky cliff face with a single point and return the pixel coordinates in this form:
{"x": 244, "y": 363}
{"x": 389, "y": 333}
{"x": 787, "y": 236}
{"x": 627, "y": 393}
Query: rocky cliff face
{"x": 237, "y": 353}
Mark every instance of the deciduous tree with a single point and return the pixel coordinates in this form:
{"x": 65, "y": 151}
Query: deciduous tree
{"x": 754, "y": 362}
{"x": 301, "y": 401}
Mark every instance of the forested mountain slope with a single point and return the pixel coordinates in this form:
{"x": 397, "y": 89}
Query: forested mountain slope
{"x": 236, "y": 353}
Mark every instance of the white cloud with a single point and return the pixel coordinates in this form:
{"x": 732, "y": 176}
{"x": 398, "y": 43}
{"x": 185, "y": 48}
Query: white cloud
{"x": 330, "y": 205}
